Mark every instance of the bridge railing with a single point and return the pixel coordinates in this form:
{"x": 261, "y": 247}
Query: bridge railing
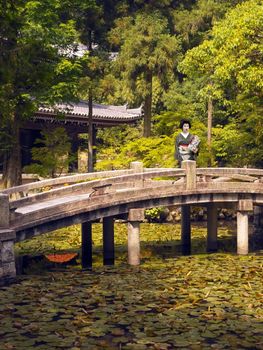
{"x": 45, "y": 185}
{"x": 49, "y": 184}
{"x": 228, "y": 174}
{"x": 102, "y": 186}
{"x": 137, "y": 176}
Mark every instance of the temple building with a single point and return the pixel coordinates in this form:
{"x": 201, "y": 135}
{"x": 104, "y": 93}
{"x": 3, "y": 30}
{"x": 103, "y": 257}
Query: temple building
{"x": 75, "y": 118}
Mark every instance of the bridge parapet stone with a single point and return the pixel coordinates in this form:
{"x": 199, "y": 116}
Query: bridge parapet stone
{"x": 190, "y": 169}
{"x": 136, "y": 214}
{"x": 7, "y": 256}
{"x": 245, "y": 205}
{"x": 137, "y": 167}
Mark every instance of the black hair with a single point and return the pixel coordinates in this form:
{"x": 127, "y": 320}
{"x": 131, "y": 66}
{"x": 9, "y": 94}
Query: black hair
{"x": 184, "y": 121}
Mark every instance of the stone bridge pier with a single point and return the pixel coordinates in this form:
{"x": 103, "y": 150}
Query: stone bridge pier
{"x": 135, "y": 217}
{"x": 7, "y": 240}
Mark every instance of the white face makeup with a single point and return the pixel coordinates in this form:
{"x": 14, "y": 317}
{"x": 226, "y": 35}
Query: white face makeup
{"x": 186, "y": 128}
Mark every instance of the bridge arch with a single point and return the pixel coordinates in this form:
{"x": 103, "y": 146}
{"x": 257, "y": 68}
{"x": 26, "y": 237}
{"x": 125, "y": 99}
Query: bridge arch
{"x": 41, "y": 207}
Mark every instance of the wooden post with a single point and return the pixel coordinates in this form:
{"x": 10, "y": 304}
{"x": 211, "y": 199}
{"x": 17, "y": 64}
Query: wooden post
{"x": 86, "y": 244}
{"x": 147, "y": 103}
{"x": 27, "y": 141}
{"x": 90, "y": 130}
{"x": 108, "y": 240}
{"x": 94, "y": 143}
{"x": 209, "y": 127}
{"x": 134, "y": 218}
{"x": 211, "y": 228}
{"x": 244, "y": 206}
{"x": 186, "y": 229}
{"x": 190, "y": 168}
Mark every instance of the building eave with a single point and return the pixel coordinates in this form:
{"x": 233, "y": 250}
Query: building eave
{"x": 78, "y": 113}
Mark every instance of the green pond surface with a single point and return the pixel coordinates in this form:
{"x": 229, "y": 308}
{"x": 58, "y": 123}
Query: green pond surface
{"x": 170, "y": 301}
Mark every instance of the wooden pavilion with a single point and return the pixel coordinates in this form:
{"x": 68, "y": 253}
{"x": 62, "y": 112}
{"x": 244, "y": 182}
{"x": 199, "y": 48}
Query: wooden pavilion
{"x": 76, "y": 119}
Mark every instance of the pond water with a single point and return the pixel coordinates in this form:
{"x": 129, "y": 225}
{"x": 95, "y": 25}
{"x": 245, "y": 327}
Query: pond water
{"x": 202, "y": 301}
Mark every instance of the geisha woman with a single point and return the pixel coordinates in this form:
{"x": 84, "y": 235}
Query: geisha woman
{"x": 186, "y": 144}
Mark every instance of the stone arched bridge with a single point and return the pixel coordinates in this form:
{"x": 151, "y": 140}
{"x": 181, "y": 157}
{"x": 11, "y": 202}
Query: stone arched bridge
{"x": 43, "y": 206}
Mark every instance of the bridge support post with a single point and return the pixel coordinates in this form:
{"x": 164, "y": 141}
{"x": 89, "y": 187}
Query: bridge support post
{"x": 190, "y": 171}
{"x": 186, "y": 229}
{"x": 135, "y": 217}
{"x": 7, "y": 240}
{"x": 86, "y": 244}
{"x": 108, "y": 240}
{"x": 211, "y": 243}
{"x": 244, "y": 206}
{"x": 138, "y": 168}
{"x": 7, "y": 256}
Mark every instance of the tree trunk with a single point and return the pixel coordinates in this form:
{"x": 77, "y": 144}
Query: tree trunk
{"x": 90, "y": 141}
{"x": 12, "y": 169}
{"x": 209, "y": 129}
{"x": 148, "y": 105}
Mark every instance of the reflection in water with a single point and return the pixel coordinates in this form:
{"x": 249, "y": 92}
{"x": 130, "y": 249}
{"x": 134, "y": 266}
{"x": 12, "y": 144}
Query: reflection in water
{"x": 161, "y": 240}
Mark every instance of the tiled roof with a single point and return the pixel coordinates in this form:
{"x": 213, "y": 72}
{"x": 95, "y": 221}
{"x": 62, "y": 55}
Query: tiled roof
{"x": 79, "y": 112}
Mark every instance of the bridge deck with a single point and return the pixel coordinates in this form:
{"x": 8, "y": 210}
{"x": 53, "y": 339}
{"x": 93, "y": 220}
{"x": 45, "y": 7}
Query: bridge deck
{"x": 52, "y": 203}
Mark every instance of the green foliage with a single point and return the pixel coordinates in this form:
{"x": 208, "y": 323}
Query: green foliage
{"x": 146, "y": 51}
{"x": 158, "y": 214}
{"x": 124, "y": 145}
{"x": 37, "y": 66}
{"x": 182, "y": 101}
{"x": 194, "y": 22}
{"x": 117, "y": 136}
{"x": 230, "y": 63}
{"x": 232, "y": 57}
{"x": 52, "y": 154}
{"x": 234, "y": 145}
{"x": 136, "y": 49}
{"x": 228, "y": 145}
{"x": 153, "y": 152}
{"x": 145, "y": 45}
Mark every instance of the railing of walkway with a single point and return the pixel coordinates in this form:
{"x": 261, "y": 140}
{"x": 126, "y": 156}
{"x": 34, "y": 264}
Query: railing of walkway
{"x": 135, "y": 176}
{"x": 109, "y": 181}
